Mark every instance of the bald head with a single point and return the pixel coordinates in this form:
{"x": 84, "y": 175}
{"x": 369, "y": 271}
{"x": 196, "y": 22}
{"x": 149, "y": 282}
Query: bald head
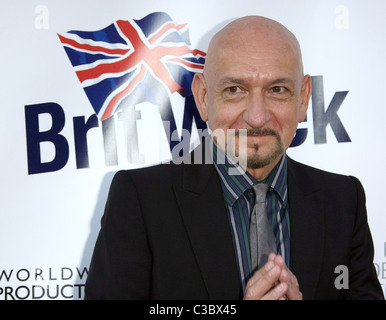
{"x": 258, "y": 33}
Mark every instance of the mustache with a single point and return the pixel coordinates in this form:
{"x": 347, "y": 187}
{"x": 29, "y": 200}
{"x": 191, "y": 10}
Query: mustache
{"x": 257, "y": 131}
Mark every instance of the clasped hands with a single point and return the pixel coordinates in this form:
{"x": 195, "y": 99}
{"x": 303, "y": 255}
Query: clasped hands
{"x": 274, "y": 281}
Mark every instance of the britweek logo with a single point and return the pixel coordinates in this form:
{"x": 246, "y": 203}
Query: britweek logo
{"x": 130, "y": 63}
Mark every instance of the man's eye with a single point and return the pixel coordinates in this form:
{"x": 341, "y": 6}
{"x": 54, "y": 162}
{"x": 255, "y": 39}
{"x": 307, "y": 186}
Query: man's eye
{"x": 234, "y": 89}
{"x": 279, "y": 89}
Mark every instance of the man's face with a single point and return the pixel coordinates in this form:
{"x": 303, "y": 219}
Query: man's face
{"x": 258, "y": 88}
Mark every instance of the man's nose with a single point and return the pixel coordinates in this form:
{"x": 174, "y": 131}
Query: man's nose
{"x": 256, "y": 114}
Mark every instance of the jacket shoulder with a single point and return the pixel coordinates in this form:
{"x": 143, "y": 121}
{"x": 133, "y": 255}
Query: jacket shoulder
{"x": 311, "y": 178}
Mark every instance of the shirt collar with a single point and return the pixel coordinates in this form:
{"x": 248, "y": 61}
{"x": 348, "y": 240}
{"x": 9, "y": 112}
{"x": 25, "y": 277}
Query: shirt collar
{"x": 235, "y": 185}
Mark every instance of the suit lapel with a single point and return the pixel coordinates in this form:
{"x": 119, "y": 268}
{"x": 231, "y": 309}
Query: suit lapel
{"x": 307, "y": 228}
{"x": 203, "y": 211}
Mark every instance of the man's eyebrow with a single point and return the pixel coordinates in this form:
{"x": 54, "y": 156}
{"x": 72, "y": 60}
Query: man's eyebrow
{"x": 282, "y": 80}
{"x": 231, "y": 80}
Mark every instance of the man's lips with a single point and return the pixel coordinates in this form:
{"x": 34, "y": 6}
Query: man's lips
{"x": 259, "y": 134}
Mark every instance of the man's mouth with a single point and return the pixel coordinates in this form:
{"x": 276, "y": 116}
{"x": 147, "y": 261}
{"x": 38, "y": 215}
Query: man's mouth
{"x": 257, "y": 132}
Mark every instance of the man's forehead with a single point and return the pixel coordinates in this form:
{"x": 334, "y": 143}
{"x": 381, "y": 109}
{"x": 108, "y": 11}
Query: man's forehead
{"x": 256, "y": 66}
{"x": 241, "y": 66}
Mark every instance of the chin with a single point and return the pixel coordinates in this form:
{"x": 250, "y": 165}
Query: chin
{"x": 258, "y": 159}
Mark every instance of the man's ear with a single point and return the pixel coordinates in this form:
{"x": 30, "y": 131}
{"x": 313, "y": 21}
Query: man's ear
{"x": 200, "y": 95}
{"x": 305, "y": 97}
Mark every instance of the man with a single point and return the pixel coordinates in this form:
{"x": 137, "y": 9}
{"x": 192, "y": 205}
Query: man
{"x": 186, "y": 231}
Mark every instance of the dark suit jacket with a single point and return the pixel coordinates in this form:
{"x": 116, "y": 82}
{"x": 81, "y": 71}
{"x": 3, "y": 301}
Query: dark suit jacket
{"x": 165, "y": 235}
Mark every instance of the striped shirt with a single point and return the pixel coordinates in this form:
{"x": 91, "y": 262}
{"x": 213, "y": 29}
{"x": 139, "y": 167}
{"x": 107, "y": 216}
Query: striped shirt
{"x": 239, "y": 201}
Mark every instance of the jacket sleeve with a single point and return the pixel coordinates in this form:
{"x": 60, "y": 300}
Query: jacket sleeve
{"x": 121, "y": 264}
{"x": 363, "y": 283}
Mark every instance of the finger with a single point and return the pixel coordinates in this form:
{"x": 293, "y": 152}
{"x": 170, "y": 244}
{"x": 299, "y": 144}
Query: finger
{"x": 277, "y": 293}
{"x": 293, "y": 292}
{"x": 288, "y": 277}
{"x": 271, "y": 257}
{"x": 278, "y": 259}
{"x": 263, "y": 284}
{"x": 260, "y": 273}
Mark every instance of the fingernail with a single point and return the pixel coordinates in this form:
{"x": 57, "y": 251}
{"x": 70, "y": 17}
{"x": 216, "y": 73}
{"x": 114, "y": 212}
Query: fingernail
{"x": 269, "y": 265}
{"x": 272, "y": 271}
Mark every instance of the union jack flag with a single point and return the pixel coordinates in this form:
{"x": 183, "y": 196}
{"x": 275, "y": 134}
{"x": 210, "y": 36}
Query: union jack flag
{"x": 114, "y": 63}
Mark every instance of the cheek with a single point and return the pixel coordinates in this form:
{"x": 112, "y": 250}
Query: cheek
{"x": 288, "y": 124}
{"x": 223, "y": 116}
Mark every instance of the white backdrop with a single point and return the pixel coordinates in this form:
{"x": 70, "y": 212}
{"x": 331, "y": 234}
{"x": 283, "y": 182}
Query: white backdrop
{"x": 50, "y": 220}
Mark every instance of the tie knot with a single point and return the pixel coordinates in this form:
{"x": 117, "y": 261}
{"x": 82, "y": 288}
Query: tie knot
{"x": 260, "y": 190}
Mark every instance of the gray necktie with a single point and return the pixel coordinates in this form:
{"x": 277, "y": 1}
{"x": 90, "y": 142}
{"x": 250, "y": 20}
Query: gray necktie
{"x": 262, "y": 240}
